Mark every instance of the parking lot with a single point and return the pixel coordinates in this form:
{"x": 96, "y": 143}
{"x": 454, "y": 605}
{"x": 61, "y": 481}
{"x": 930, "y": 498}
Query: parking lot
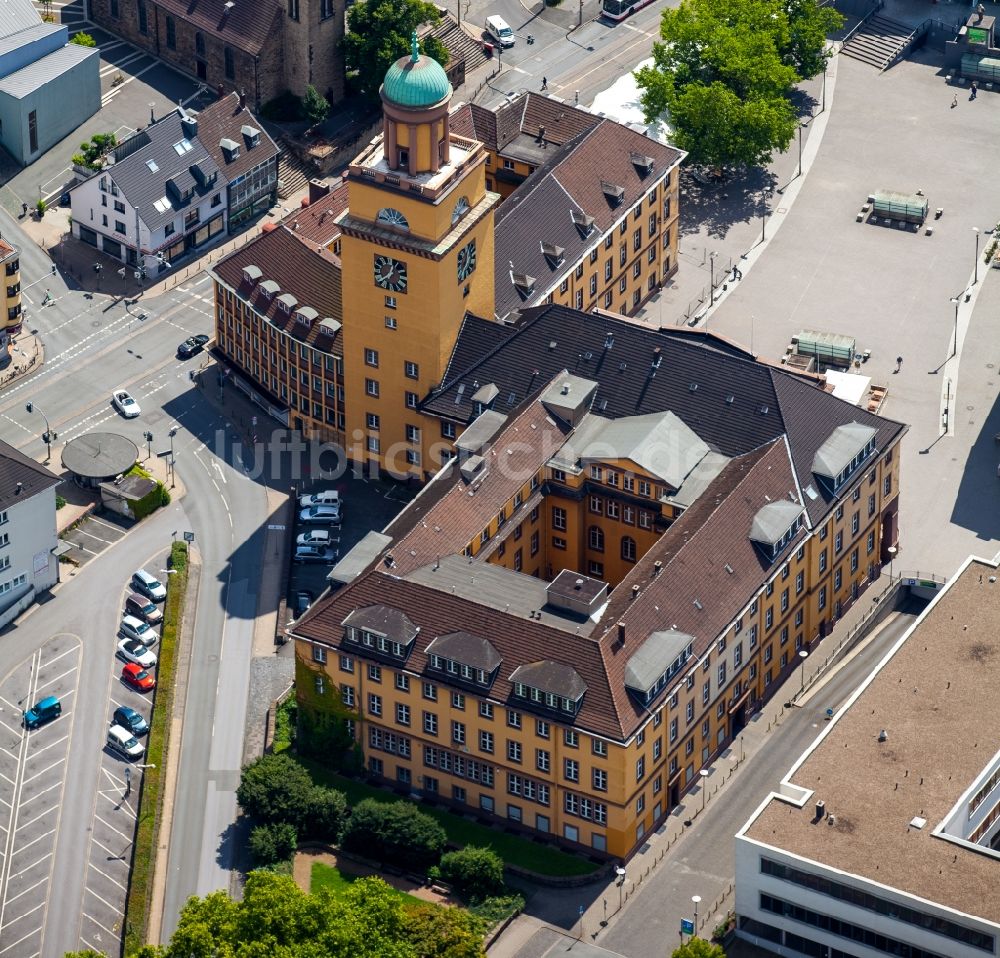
{"x": 32, "y": 780}
{"x": 93, "y": 535}
{"x": 366, "y": 505}
{"x": 133, "y": 83}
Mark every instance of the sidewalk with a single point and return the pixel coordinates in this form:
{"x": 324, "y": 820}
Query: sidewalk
{"x": 660, "y": 848}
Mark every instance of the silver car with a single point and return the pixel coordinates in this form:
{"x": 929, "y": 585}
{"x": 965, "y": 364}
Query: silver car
{"x": 134, "y": 628}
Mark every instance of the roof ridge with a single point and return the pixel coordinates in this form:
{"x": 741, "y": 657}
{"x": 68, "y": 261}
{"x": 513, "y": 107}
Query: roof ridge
{"x": 446, "y": 384}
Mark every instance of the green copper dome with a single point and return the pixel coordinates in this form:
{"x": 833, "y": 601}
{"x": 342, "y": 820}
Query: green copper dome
{"x": 416, "y": 81}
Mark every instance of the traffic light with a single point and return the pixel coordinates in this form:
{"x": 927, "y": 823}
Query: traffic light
{"x": 45, "y": 437}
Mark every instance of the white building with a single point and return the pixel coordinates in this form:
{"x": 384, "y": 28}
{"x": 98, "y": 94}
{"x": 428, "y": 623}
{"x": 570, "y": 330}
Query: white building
{"x": 27, "y": 532}
{"x": 883, "y": 837}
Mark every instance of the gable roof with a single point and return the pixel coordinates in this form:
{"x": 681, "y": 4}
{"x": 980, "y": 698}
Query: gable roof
{"x": 310, "y": 274}
{"x": 225, "y": 119}
{"x": 16, "y": 467}
{"x": 17, "y": 15}
{"x": 317, "y": 222}
{"x": 247, "y": 24}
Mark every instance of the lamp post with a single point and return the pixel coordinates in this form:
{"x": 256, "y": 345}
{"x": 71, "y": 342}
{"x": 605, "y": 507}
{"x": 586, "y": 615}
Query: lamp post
{"x": 892, "y": 555}
{"x": 803, "y": 655}
{"x": 173, "y": 432}
{"x": 800, "y": 148}
{"x": 711, "y": 278}
{"x": 696, "y": 900}
{"x": 704, "y": 785}
{"x": 975, "y": 278}
{"x": 620, "y": 876}
{"x": 48, "y": 435}
{"x": 954, "y": 349}
{"x": 764, "y": 197}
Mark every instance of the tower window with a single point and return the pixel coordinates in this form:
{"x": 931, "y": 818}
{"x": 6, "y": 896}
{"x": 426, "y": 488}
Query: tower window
{"x": 404, "y": 157}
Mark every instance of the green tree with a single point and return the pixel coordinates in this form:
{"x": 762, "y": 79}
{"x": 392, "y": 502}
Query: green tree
{"x": 698, "y": 948}
{"x": 327, "y": 814}
{"x": 275, "y": 788}
{"x": 475, "y": 873}
{"x": 395, "y": 832}
{"x": 378, "y": 34}
{"x": 83, "y": 40}
{"x": 438, "y": 932}
{"x": 724, "y": 69}
{"x": 314, "y": 106}
{"x": 270, "y": 844}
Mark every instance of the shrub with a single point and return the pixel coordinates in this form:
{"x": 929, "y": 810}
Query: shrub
{"x": 436, "y": 932}
{"x": 60, "y": 501}
{"x": 179, "y": 556}
{"x": 41, "y": 206}
{"x": 314, "y": 106}
{"x": 398, "y": 832}
{"x": 270, "y": 844}
{"x": 327, "y": 814}
{"x": 475, "y": 873}
{"x": 164, "y": 496}
{"x": 83, "y": 40}
{"x": 498, "y": 908}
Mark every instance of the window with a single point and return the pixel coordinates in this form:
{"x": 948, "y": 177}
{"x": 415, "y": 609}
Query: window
{"x": 513, "y": 719}
{"x": 371, "y": 387}
{"x": 402, "y": 714}
{"x": 143, "y": 17}
{"x": 293, "y": 9}
{"x": 886, "y": 485}
{"x": 372, "y": 421}
{"x": 571, "y": 738}
{"x": 375, "y": 704}
{"x": 543, "y": 761}
{"x": 596, "y": 538}
{"x": 371, "y": 357}
{"x": 347, "y": 695}
{"x": 319, "y": 653}
{"x": 838, "y": 543}
{"x": 542, "y": 729}
{"x": 346, "y": 664}
{"x": 458, "y": 732}
{"x": 486, "y": 710}
{"x": 599, "y": 747}
{"x": 199, "y": 44}
{"x": 171, "y": 34}
{"x": 320, "y": 684}
{"x": 430, "y": 723}
{"x": 571, "y": 770}
{"x": 229, "y": 63}
{"x": 430, "y": 691}
{"x": 514, "y": 751}
{"x": 411, "y": 370}
{"x": 486, "y": 742}
{"x": 559, "y": 518}
{"x": 458, "y": 701}
{"x": 640, "y": 768}
{"x": 390, "y": 322}
{"x": 628, "y": 549}
{"x": 870, "y": 545}
{"x": 673, "y": 729}
{"x": 114, "y": 9}
{"x": 600, "y": 780}
{"x": 390, "y": 302}
{"x": 412, "y": 433}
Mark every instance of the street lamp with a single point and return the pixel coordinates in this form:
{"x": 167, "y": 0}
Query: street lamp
{"x": 711, "y": 278}
{"x": 704, "y": 785}
{"x": 696, "y": 900}
{"x": 954, "y": 348}
{"x": 48, "y": 435}
{"x": 173, "y": 432}
{"x": 764, "y": 197}
{"x": 801, "y": 125}
{"x": 975, "y": 229}
{"x": 803, "y": 655}
{"x": 620, "y": 876}
{"x": 892, "y": 555}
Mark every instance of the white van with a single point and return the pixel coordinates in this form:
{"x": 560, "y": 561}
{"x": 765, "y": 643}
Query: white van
{"x": 497, "y": 28}
{"x": 122, "y": 741}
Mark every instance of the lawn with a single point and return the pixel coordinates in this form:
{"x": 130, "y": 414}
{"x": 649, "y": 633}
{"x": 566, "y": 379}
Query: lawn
{"x": 541, "y": 859}
{"x": 329, "y": 876}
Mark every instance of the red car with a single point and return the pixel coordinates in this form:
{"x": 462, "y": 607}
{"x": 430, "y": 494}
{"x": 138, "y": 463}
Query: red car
{"x": 136, "y": 677}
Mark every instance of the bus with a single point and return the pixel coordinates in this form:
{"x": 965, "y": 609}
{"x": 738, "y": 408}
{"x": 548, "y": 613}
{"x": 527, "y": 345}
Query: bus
{"x": 618, "y": 10}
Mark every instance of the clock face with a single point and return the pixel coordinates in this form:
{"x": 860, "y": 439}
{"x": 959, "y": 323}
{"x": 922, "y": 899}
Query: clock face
{"x": 467, "y": 260}
{"x": 390, "y": 274}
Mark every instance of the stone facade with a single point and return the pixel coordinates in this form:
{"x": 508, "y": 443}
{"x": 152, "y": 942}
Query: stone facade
{"x": 307, "y": 50}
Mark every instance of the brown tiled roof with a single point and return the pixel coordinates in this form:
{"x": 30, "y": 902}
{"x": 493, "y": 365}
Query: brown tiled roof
{"x": 519, "y": 641}
{"x": 317, "y": 222}
{"x": 310, "y": 274}
{"x": 6, "y": 249}
{"x": 739, "y": 405}
{"x": 562, "y": 121}
{"x": 225, "y": 118}
{"x": 248, "y": 24}
{"x": 457, "y": 517}
{"x": 475, "y": 122}
{"x": 16, "y": 467}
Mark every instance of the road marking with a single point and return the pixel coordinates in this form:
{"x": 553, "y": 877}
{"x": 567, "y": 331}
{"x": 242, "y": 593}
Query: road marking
{"x": 36, "y": 818}
{"x": 32, "y": 842}
{"x": 114, "y": 881}
{"x": 47, "y": 747}
{"x": 19, "y": 940}
{"x": 114, "y": 935}
{"x": 222, "y": 475}
{"x": 107, "y": 525}
{"x": 43, "y": 791}
{"x": 105, "y": 100}
{"x": 56, "y": 679}
{"x": 115, "y": 908}
{"x": 124, "y": 835}
{"x": 61, "y": 655}
{"x": 43, "y": 771}
{"x": 13, "y": 731}
{"x": 24, "y": 871}
{"x": 25, "y": 892}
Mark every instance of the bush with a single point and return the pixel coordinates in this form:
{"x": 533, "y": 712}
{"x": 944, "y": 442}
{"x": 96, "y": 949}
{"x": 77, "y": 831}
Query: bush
{"x": 327, "y": 814}
{"x": 314, "y": 106}
{"x": 83, "y": 40}
{"x": 179, "y": 556}
{"x": 475, "y": 873}
{"x": 497, "y": 909}
{"x": 436, "y": 932}
{"x": 60, "y": 501}
{"x": 41, "y": 206}
{"x": 164, "y": 496}
{"x": 398, "y": 832}
{"x": 271, "y": 844}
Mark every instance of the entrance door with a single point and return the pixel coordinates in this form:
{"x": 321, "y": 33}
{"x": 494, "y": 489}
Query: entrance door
{"x": 739, "y": 720}
{"x": 675, "y": 793}
{"x": 201, "y": 69}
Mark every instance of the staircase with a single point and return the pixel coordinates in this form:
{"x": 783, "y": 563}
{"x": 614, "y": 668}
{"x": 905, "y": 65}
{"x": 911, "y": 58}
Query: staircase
{"x": 880, "y": 41}
{"x": 293, "y": 173}
{"x": 459, "y": 44}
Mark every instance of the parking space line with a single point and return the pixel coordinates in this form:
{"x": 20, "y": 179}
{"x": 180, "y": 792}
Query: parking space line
{"x": 116, "y": 782}
{"x": 27, "y": 914}
{"x": 115, "y": 908}
{"x": 41, "y": 881}
{"x": 57, "y": 678}
{"x": 8, "y": 804}
{"x": 47, "y": 811}
{"x": 9, "y": 705}
{"x": 19, "y": 940}
{"x": 107, "y": 525}
{"x": 107, "y": 876}
{"x": 112, "y": 857}
{"x": 50, "y": 745}
{"x": 4, "y": 777}
{"x": 49, "y": 768}
{"x": 124, "y": 835}
{"x": 17, "y": 851}
{"x": 61, "y": 655}
{"x": 42, "y": 792}
{"x": 32, "y": 865}
{"x": 102, "y": 927}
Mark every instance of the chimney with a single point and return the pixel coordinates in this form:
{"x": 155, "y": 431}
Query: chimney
{"x": 243, "y": 99}
{"x": 820, "y": 810}
{"x": 221, "y": 91}
{"x": 621, "y": 632}
{"x": 152, "y": 115}
{"x": 657, "y": 567}
{"x": 541, "y": 134}
{"x": 635, "y": 591}
{"x": 317, "y": 190}
{"x": 17, "y": 491}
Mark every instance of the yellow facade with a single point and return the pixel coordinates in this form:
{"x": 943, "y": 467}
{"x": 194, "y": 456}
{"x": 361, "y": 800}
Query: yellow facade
{"x": 600, "y": 794}
{"x": 11, "y": 315}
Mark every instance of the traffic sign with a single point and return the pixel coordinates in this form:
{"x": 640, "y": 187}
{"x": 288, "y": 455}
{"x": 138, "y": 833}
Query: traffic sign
{"x": 687, "y": 926}
{"x": 189, "y": 537}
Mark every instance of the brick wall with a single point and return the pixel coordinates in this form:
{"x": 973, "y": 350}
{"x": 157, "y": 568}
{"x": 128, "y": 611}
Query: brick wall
{"x": 312, "y": 49}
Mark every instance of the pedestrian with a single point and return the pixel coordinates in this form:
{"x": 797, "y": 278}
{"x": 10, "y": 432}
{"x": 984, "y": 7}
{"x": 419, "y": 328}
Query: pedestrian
{"x": 899, "y": 363}
{"x": 545, "y": 83}
{"x": 954, "y": 101}
{"x": 973, "y": 90}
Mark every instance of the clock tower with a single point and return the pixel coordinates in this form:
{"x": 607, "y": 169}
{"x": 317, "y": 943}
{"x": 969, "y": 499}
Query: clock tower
{"x": 417, "y": 252}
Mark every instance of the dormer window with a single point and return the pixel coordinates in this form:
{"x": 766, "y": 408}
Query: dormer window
{"x": 656, "y": 662}
{"x": 287, "y": 302}
{"x": 464, "y": 657}
{"x": 252, "y": 275}
{"x": 844, "y": 451}
{"x": 269, "y": 288}
{"x": 775, "y": 525}
{"x": 549, "y": 685}
{"x": 251, "y": 134}
{"x": 380, "y": 629}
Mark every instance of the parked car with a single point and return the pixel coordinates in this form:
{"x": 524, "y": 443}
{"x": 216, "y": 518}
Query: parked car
{"x": 129, "y": 650}
{"x": 125, "y": 404}
{"x": 122, "y": 741}
{"x": 148, "y": 585}
{"x": 302, "y": 602}
{"x": 327, "y": 497}
{"x": 315, "y": 537}
{"x": 133, "y": 628}
{"x": 192, "y": 346}
{"x": 143, "y": 608}
{"x": 136, "y": 677}
{"x": 130, "y": 719}
{"x": 324, "y": 515}
{"x": 43, "y": 711}
{"x": 316, "y": 554}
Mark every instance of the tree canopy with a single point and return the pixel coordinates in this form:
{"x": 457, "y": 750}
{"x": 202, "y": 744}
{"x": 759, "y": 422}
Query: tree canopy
{"x": 276, "y": 919}
{"x": 378, "y": 34}
{"x": 698, "y": 948}
{"x": 724, "y": 70}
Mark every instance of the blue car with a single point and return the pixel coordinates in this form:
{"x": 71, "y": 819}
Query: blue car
{"x": 130, "y": 719}
{"x": 42, "y": 712}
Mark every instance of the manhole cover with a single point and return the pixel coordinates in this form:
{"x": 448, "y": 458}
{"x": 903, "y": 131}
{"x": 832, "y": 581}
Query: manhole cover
{"x": 95, "y": 323}
{"x": 970, "y": 408}
{"x": 989, "y": 365}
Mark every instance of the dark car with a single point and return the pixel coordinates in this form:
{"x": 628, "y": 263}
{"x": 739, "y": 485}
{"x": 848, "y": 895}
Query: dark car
{"x": 43, "y": 711}
{"x": 130, "y": 719}
{"x": 143, "y": 608}
{"x": 192, "y": 346}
